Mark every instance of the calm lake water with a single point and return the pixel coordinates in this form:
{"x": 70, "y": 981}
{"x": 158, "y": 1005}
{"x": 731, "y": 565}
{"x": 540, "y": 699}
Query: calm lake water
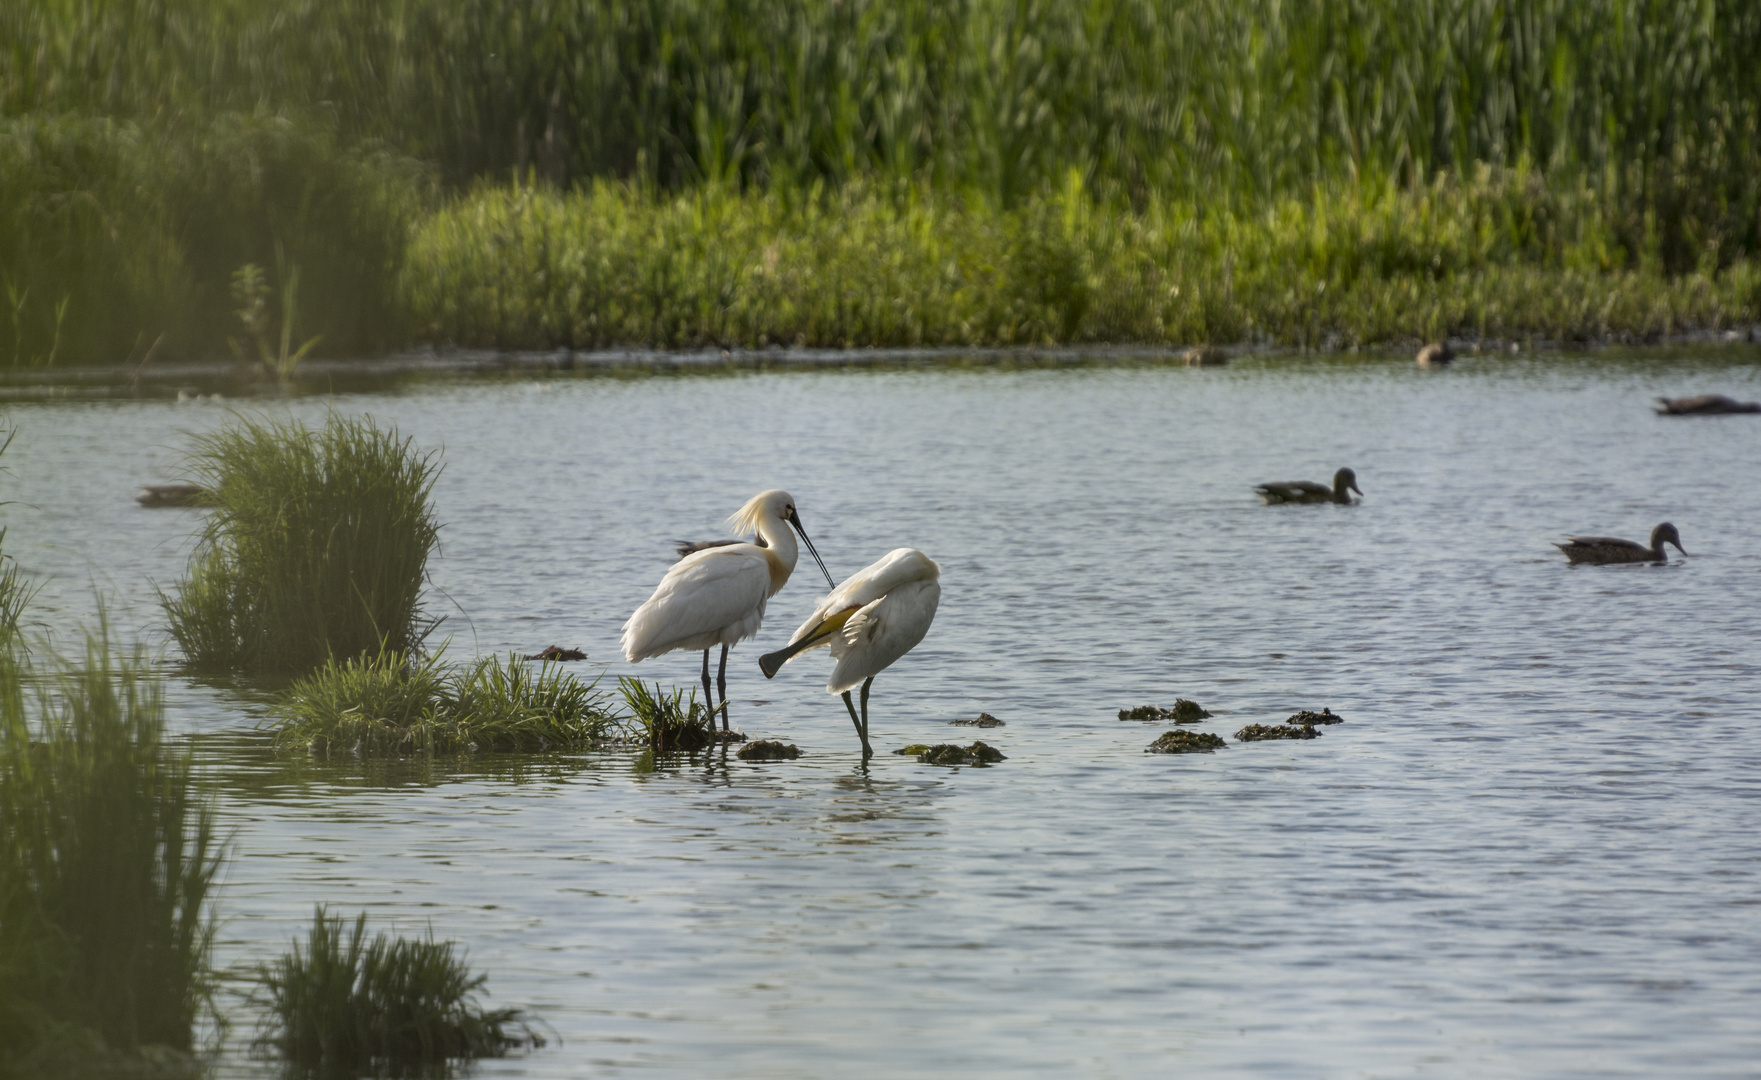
{"x": 1532, "y": 850}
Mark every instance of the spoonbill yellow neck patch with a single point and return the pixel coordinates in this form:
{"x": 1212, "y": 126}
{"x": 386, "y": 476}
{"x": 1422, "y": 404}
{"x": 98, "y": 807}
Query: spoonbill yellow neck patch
{"x": 716, "y": 594}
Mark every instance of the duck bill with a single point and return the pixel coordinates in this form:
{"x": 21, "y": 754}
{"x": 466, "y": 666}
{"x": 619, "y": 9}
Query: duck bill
{"x": 795, "y": 520}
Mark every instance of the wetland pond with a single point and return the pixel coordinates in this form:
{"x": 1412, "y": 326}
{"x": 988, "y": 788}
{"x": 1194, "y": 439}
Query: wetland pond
{"x": 1531, "y": 850}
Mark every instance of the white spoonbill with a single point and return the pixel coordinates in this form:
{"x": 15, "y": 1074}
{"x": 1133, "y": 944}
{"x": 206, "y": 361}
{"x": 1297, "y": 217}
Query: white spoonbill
{"x": 715, "y": 595}
{"x": 869, "y": 621}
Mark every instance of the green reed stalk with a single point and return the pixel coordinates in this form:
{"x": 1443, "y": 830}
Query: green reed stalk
{"x": 317, "y": 547}
{"x": 108, "y": 855}
{"x": 346, "y": 1002}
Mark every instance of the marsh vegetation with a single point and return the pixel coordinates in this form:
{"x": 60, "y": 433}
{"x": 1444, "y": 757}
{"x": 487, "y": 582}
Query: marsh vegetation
{"x": 347, "y": 1002}
{"x": 109, "y": 854}
{"x": 316, "y": 547}
{"x": 759, "y": 172}
{"x": 394, "y": 703}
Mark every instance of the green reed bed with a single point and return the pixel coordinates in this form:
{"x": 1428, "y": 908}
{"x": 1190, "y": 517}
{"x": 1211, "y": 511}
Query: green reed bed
{"x": 316, "y": 547}
{"x": 148, "y": 153}
{"x": 120, "y": 239}
{"x": 1500, "y": 254}
{"x": 1657, "y": 104}
{"x": 108, "y": 859}
{"x": 389, "y": 703}
{"x": 346, "y": 1002}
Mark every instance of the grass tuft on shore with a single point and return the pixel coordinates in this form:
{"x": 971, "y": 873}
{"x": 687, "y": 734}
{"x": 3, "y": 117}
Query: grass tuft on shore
{"x": 108, "y": 861}
{"x": 666, "y": 722}
{"x": 346, "y": 1002}
{"x": 389, "y": 703}
{"x": 317, "y": 547}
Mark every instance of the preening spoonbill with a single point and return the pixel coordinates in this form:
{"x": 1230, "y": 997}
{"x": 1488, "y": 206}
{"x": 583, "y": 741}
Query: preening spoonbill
{"x": 715, "y": 595}
{"x": 1609, "y": 549}
{"x": 869, "y": 621}
{"x": 1307, "y": 491}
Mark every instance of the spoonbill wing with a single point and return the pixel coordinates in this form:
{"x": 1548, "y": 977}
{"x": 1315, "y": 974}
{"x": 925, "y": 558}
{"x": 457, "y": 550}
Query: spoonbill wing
{"x": 881, "y": 632}
{"x": 699, "y": 601}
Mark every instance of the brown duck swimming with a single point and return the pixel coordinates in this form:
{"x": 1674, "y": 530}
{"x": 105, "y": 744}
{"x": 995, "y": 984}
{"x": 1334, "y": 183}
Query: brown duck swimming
{"x": 1307, "y": 491}
{"x": 1609, "y": 549}
{"x": 1706, "y": 405}
{"x": 1436, "y": 354}
{"x": 156, "y": 495}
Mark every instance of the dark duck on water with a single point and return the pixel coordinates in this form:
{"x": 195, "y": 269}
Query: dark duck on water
{"x": 1307, "y": 491}
{"x": 1610, "y": 549}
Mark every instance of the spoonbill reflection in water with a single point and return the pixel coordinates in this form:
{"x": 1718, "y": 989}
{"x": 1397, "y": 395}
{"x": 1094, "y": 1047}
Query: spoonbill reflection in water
{"x": 869, "y": 621}
{"x": 715, "y": 595}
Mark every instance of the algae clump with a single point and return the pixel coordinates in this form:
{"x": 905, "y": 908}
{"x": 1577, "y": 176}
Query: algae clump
{"x": 978, "y": 753}
{"x": 1186, "y": 742}
{"x": 1185, "y": 711}
{"x": 1266, "y": 732}
{"x": 768, "y": 750}
{"x": 985, "y": 719}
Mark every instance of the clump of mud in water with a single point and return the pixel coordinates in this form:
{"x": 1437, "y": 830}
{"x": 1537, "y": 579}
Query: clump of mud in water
{"x": 1263, "y": 732}
{"x": 985, "y": 719}
{"x": 1325, "y": 716}
{"x": 1183, "y": 712}
{"x": 768, "y": 750}
{"x": 1186, "y": 742}
{"x": 951, "y": 754}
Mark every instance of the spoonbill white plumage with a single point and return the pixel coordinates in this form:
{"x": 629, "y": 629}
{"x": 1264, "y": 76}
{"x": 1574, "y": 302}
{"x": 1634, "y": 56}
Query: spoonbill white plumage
{"x": 715, "y": 595}
{"x": 869, "y": 621}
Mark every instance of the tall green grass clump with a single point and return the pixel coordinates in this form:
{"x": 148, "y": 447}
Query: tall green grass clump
{"x": 15, "y": 591}
{"x": 667, "y": 722}
{"x": 317, "y": 547}
{"x": 108, "y": 857}
{"x": 346, "y": 1002}
{"x": 390, "y": 703}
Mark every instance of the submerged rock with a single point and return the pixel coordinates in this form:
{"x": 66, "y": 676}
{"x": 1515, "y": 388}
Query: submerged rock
{"x": 556, "y": 652}
{"x": 769, "y": 750}
{"x": 978, "y": 753}
{"x": 1325, "y": 716}
{"x": 1183, "y": 712}
{"x": 1186, "y": 742}
{"x": 1263, "y": 732}
{"x": 985, "y": 719}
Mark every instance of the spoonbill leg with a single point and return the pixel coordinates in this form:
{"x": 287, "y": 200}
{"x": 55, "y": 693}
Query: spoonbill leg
{"x": 721, "y": 682}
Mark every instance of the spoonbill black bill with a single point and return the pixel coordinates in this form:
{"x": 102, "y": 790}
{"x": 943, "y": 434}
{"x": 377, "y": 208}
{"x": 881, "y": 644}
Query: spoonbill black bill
{"x": 869, "y": 621}
{"x": 715, "y": 594}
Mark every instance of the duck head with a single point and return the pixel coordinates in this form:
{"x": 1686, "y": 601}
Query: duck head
{"x": 1666, "y": 534}
{"x": 1344, "y": 480}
